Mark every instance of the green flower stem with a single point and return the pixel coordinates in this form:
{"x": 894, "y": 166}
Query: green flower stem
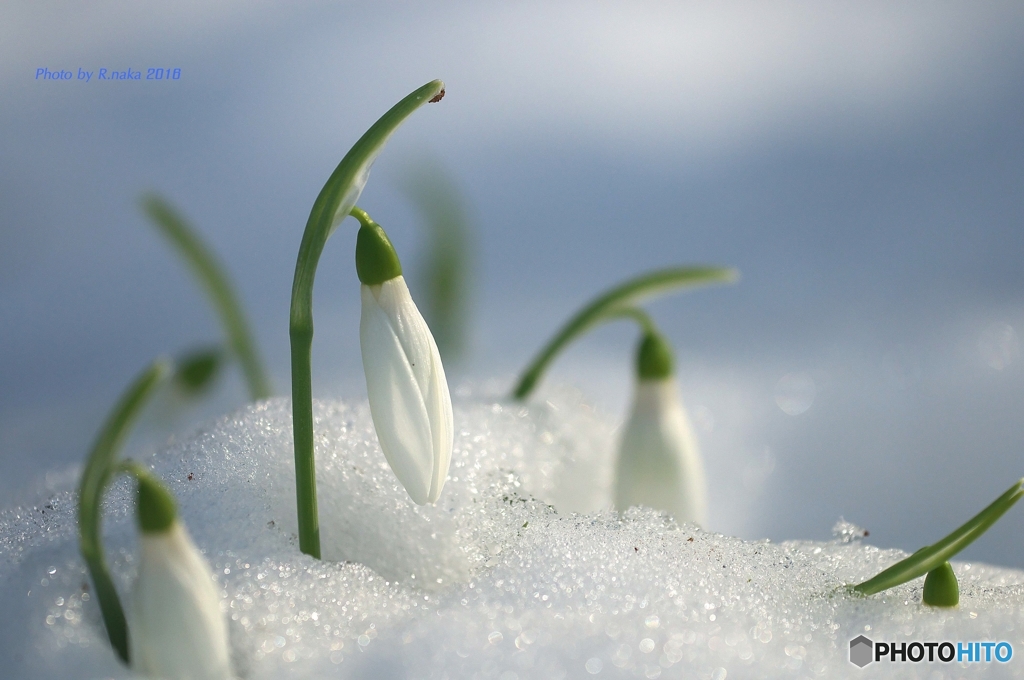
{"x": 332, "y": 205}
{"x": 614, "y": 303}
{"x": 99, "y": 470}
{"x": 642, "y": 318}
{"x": 933, "y": 556}
{"x": 131, "y": 468}
{"x": 654, "y": 357}
{"x": 364, "y": 217}
{"x": 214, "y": 279}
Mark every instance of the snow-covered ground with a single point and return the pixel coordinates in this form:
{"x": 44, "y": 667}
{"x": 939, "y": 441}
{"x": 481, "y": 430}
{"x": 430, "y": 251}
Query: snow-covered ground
{"x": 520, "y": 571}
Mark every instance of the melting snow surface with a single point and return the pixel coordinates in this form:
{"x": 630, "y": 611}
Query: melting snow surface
{"x": 520, "y": 571}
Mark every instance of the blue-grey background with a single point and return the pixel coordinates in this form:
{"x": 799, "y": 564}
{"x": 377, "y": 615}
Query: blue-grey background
{"x": 861, "y": 163}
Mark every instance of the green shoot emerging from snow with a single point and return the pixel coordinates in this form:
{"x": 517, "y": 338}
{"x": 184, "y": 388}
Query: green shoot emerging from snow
{"x": 936, "y": 557}
{"x": 100, "y": 468}
{"x": 616, "y": 303}
{"x": 332, "y": 205}
{"x": 214, "y": 280}
{"x": 940, "y": 587}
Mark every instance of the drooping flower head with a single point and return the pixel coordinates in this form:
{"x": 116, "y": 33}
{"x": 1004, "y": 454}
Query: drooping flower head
{"x": 659, "y": 464}
{"x": 177, "y": 630}
{"x": 406, "y": 451}
{"x": 405, "y": 382}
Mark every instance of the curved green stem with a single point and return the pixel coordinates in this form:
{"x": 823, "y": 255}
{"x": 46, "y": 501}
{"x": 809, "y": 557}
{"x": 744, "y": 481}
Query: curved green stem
{"x": 612, "y": 303}
{"x": 361, "y": 215}
{"x": 642, "y": 318}
{"x": 333, "y": 204}
{"x": 99, "y": 469}
{"x": 933, "y": 556}
{"x": 214, "y": 279}
{"x": 131, "y": 467}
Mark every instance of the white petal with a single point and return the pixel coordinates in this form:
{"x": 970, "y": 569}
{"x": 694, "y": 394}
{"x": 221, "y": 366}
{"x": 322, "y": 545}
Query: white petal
{"x": 439, "y": 409}
{"x": 421, "y": 350}
{"x": 410, "y": 328}
{"x": 425, "y": 360}
{"x": 424, "y": 364}
{"x": 177, "y": 630}
{"x": 396, "y": 400}
{"x": 659, "y": 465}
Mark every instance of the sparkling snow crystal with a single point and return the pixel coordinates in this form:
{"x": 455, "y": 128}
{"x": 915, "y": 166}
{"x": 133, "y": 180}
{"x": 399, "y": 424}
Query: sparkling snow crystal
{"x": 520, "y": 571}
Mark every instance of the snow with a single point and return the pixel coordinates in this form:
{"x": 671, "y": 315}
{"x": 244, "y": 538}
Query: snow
{"x": 520, "y": 571}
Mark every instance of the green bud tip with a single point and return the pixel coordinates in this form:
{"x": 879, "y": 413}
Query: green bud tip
{"x": 941, "y": 588}
{"x": 653, "y": 357}
{"x": 376, "y": 259}
{"x": 156, "y": 507}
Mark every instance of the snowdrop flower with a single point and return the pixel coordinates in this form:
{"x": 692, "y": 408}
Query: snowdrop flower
{"x": 405, "y": 382}
{"x": 177, "y": 630}
{"x": 659, "y": 465}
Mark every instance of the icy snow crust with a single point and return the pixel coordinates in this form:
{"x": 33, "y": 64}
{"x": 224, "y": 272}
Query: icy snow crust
{"x": 518, "y": 572}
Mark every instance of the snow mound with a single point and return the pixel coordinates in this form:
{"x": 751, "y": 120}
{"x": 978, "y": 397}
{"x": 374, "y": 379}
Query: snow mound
{"x": 520, "y": 571}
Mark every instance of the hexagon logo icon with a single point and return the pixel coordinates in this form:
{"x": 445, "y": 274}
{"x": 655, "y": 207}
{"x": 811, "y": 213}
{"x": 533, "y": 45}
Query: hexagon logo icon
{"x": 860, "y": 651}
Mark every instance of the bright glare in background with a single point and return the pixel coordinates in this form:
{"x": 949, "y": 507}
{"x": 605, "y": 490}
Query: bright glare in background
{"x": 794, "y": 393}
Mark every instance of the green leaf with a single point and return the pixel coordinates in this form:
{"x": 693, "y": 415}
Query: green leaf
{"x": 214, "y": 279}
{"x": 332, "y": 205}
{"x": 613, "y": 304}
{"x": 933, "y": 556}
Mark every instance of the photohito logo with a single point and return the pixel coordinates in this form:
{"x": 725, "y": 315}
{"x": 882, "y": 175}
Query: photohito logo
{"x": 863, "y": 651}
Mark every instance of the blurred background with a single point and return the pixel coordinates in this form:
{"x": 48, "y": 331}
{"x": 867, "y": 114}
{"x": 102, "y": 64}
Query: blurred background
{"x": 861, "y": 163}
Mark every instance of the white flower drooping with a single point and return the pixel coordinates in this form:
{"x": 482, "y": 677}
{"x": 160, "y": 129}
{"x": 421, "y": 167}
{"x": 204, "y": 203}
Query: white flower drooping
{"x": 405, "y": 381}
{"x": 659, "y": 465}
{"x": 177, "y": 630}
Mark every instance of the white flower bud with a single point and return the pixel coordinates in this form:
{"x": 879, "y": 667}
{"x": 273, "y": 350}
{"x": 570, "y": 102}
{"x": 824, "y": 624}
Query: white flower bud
{"x": 177, "y": 630}
{"x": 659, "y": 465}
{"x": 408, "y": 393}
